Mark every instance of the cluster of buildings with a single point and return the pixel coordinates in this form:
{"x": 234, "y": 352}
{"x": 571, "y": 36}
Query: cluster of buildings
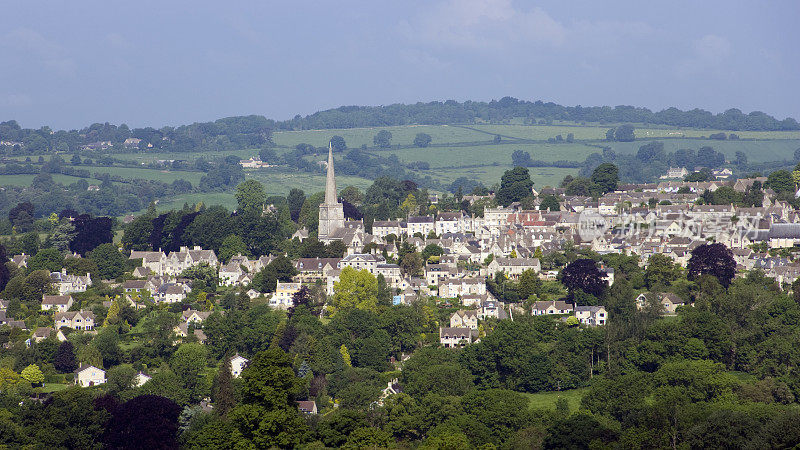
{"x": 254, "y": 163}
{"x": 681, "y": 172}
{"x": 645, "y": 219}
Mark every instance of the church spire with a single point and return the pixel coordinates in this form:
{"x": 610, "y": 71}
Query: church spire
{"x": 330, "y": 183}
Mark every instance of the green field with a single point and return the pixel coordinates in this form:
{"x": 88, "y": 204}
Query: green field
{"x": 149, "y": 157}
{"x": 167, "y": 176}
{"x": 543, "y": 132}
{"x": 26, "y": 180}
{"x": 490, "y": 154}
{"x": 547, "y": 400}
{"x": 52, "y": 387}
{"x": 278, "y": 182}
{"x": 598, "y": 132}
{"x": 209, "y": 199}
{"x": 456, "y": 151}
{"x": 275, "y": 183}
{"x": 356, "y": 137}
{"x": 756, "y": 151}
{"x": 490, "y": 175}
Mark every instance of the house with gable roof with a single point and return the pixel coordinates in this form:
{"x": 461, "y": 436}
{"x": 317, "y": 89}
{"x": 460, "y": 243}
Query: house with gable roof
{"x": 86, "y": 376}
{"x": 464, "y": 318}
{"x": 58, "y": 303}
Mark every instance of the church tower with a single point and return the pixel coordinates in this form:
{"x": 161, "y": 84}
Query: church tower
{"x": 331, "y": 212}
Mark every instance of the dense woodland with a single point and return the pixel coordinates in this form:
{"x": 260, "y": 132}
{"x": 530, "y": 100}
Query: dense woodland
{"x": 451, "y": 111}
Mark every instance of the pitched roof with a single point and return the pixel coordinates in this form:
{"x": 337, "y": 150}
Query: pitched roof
{"x": 56, "y": 299}
{"x": 83, "y": 367}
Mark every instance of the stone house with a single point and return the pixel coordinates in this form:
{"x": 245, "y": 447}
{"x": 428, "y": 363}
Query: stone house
{"x": 77, "y": 320}
{"x": 86, "y": 376}
{"x": 58, "y": 303}
{"x": 464, "y": 319}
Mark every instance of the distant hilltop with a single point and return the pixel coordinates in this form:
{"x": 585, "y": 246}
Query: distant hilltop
{"x": 255, "y": 128}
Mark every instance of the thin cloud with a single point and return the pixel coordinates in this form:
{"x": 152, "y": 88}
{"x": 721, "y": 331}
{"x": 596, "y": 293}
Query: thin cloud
{"x": 709, "y": 53}
{"x": 16, "y": 100}
{"x": 48, "y": 53}
{"x": 712, "y": 48}
{"x": 118, "y": 41}
{"x": 483, "y": 25}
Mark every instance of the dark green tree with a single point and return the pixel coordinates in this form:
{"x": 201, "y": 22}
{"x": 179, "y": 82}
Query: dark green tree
{"x": 280, "y": 269}
{"x": 250, "y": 196}
{"x": 583, "y": 274}
{"x": 383, "y": 139}
{"x": 780, "y": 181}
{"x": 338, "y": 144}
{"x": 146, "y": 421}
{"x": 64, "y": 360}
{"x": 549, "y": 203}
{"x": 110, "y": 262}
{"x": 295, "y": 199}
{"x": 515, "y": 185}
{"x": 606, "y": 176}
{"x": 268, "y": 415}
{"x": 5, "y": 274}
{"x": 48, "y": 259}
{"x": 712, "y": 259}
{"x": 624, "y": 133}
{"x": 422, "y": 140}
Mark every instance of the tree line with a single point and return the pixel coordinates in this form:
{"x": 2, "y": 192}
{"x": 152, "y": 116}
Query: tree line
{"x": 253, "y": 131}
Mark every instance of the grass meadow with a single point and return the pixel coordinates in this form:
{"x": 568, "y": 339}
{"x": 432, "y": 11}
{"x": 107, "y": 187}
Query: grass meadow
{"x": 356, "y": 137}
{"x": 456, "y": 156}
{"x": 456, "y": 151}
{"x": 756, "y": 150}
{"x": 547, "y": 400}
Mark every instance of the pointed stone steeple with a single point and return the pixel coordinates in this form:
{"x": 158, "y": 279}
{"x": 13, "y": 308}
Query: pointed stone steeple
{"x": 330, "y": 183}
{"x": 331, "y": 212}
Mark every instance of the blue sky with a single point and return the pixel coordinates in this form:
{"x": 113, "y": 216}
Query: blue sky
{"x": 150, "y": 63}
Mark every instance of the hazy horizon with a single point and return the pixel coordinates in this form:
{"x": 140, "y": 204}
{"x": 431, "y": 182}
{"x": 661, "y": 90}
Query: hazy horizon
{"x": 154, "y": 64}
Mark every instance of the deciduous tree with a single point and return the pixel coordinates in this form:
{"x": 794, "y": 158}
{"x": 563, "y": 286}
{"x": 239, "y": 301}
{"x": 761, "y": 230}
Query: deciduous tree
{"x": 583, "y": 274}
{"x": 110, "y": 262}
{"x": 515, "y": 185}
{"x": 712, "y": 259}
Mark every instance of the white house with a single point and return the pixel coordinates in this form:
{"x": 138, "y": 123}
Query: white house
{"x": 449, "y": 222}
{"x": 383, "y": 228}
{"x": 58, "y": 303}
{"x": 170, "y": 293}
{"x": 87, "y": 376}
{"x": 194, "y": 316}
{"x": 669, "y": 301}
{"x": 283, "y": 296}
{"x": 553, "y": 307}
{"x": 66, "y": 283}
{"x": 307, "y": 406}
{"x": 591, "y": 315}
{"x": 455, "y": 287}
{"x": 360, "y": 261}
{"x": 238, "y": 363}
{"x": 229, "y": 274}
{"x": 140, "y": 379}
{"x": 420, "y": 224}
{"x": 513, "y": 267}
{"x": 464, "y": 319}
{"x": 456, "y": 337}
{"x": 77, "y": 320}
{"x": 675, "y": 172}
